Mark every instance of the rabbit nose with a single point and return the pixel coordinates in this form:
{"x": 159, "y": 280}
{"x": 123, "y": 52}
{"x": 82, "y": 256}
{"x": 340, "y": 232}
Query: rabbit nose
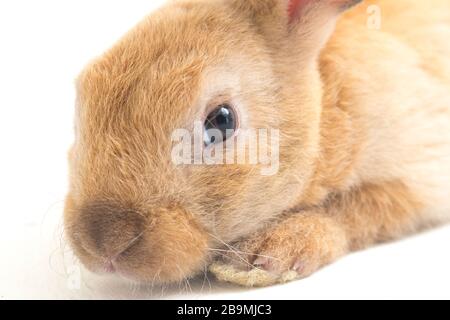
{"x": 108, "y": 230}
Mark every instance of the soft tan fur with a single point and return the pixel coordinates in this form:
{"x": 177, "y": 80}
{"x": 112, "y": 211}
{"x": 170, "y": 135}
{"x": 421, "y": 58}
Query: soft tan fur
{"x": 365, "y": 149}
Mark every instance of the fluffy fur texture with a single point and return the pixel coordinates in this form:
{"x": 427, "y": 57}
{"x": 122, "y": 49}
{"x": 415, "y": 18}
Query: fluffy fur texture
{"x": 364, "y": 155}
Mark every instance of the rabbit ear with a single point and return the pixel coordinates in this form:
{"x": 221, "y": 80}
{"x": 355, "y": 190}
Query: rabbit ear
{"x": 302, "y": 22}
{"x": 297, "y": 8}
{"x": 294, "y": 9}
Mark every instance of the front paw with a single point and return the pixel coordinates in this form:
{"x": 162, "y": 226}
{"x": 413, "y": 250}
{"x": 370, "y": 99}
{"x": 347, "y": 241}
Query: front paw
{"x": 295, "y": 248}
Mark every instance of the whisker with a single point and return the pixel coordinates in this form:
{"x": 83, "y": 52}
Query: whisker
{"x": 130, "y": 243}
{"x": 205, "y": 278}
{"x": 233, "y": 250}
{"x": 189, "y": 286}
{"x": 238, "y": 261}
{"x": 243, "y": 252}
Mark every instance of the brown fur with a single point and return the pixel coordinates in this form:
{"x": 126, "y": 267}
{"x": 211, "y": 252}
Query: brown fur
{"x": 363, "y": 116}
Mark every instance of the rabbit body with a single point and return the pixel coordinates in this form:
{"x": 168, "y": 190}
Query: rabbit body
{"x": 362, "y": 103}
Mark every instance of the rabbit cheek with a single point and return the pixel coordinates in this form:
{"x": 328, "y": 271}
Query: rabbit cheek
{"x": 173, "y": 248}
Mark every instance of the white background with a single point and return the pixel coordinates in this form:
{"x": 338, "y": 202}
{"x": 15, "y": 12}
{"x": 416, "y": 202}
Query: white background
{"x": 43, "y": 45}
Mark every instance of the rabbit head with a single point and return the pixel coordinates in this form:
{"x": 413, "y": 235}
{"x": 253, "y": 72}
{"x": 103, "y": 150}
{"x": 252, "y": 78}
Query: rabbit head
{"x": 253, "y": 64}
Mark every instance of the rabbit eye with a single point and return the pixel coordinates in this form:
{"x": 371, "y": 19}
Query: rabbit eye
{"x": 220, "y": 124}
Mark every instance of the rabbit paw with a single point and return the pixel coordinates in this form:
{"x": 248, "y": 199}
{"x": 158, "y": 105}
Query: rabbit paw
{"x": 293, "y": 249}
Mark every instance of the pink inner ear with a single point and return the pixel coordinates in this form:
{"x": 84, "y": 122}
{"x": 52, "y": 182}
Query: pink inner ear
{"x": 295, "y": 8}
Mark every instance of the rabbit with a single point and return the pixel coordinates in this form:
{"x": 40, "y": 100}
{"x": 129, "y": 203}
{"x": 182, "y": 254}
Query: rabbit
{"x": 363, "y": 116}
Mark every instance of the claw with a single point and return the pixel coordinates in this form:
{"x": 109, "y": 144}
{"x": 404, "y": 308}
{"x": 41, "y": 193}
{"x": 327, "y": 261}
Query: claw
{"x": 298, "y": 266}
{"x": 262, "y": 262}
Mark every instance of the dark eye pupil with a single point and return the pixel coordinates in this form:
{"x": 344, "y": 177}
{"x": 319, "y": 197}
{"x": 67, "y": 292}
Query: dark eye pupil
{"x": 222, "y": 120}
